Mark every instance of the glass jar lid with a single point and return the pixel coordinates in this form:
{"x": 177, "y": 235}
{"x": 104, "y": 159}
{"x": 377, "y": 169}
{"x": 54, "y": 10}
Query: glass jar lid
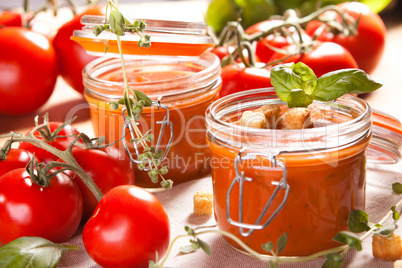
{"x": 170, "y": 38}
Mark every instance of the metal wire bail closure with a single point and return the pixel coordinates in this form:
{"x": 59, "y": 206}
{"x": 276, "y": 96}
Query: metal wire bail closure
{"x": 241, "y": 179}
{"x": 165, "y": 122}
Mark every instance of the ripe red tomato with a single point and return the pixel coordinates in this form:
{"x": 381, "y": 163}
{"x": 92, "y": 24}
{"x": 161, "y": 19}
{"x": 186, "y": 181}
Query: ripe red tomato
{"x": 10, "y": 18}
{"x": 28, "y": 70}
{"x": 220, "y": 51}
{"x": 127, "y": 228}
{"x": 323, "y": 58}
{"x": 109, "y": 167}
{"x": 16, "y": 158}
{"x": 72, "y": 57}
{"x": 367, "y": 46}
{"x": 236, "y": 78}
{"x": 277, "y": 40}
{"x": 28, "y": 209}
{"x": 67, "y": 135}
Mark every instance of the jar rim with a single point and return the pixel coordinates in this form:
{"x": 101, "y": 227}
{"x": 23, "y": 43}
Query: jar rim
{"x": 326, "y": 137}
{"x": 177, "y": 87}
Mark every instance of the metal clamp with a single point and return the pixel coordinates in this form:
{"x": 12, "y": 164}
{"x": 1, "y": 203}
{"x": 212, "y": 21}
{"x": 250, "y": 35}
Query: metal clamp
{"x": 165, "y": 122}
{"x": 241, "y": 179}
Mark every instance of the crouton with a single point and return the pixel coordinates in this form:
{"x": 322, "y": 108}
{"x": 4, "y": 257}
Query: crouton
{"x": 387, "y": 248}
{"x": 203, "y": 202}
{"x": 296, "y": 118}
{"x": 272, "y": 113}
{"x": 253, "y": 119}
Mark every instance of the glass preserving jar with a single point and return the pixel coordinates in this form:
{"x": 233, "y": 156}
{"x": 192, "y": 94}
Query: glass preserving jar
{"x": 304, "y": 182}
{"x": 182, "y": 86}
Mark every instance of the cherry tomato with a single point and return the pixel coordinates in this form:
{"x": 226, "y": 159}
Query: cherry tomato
{"x": 220, "y": 51}
{"x": 10, "y": 18}
{"x": 236, "y": 78}
{"x": 66, "y": 136}
{"x": 109, "y": 167}
{"x": 72, "y": 57}
{"x": 367, "y": 45}
{"x": 323, "y": 58}
{"x": 16, "y": 158}
{"x": 28, "y": 209}
{"x": 127, "y": 228}
{"x": 28, "y": 70}
{"x": 277, "y": 40}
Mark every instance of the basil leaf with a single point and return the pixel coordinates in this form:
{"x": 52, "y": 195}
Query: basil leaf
{"x": 386, "y": 230}
{"x": 36, "y": 251}
{"x": 395, "y": 214}
{"x": 284, "y": 79}
{"x": 334, "y": 260}
{"x": 281, "y": 243}
{"x": 309, "y": 79}
{"x": 117, "y": 22}
{"x": 298, "y": 98}
{"x": 350, "y": 239}
{"x": 142, "y": 96}
{"x": 335, "y": 84}
{"x": 358, "y": 221}
{"x": 397, "y": 188}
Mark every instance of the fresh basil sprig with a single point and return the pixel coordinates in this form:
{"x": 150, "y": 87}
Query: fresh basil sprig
{"x": 35, "y": 251}
{"x": 299, "y": 86}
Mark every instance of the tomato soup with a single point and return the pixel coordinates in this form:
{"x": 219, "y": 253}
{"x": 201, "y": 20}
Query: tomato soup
{"x": 186, "y": 85}
{"x": 321, "y": 173}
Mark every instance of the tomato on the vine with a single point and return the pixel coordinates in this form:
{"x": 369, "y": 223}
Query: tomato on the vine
{"x": 10, "y": 18}
{"x": 61, "y": 141}
{"x": 127, "y": 228}
{"x": 28, "y": 209}
{"x": 236, "y": 78}
{"x": 276, "y": 40}
{"x": 16, "y": 158}
{"x": 367, "y": 45}
{"x": 324, "y": 57}
{"x": 220, "y": 51}
{"x": 72, "y": 57}
{"x": 28, "y": 70}
{"x": 108, "y": 167}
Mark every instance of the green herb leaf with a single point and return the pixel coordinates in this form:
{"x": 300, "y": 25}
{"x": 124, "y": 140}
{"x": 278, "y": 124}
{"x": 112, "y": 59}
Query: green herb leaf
{"x": 386, "y": 229}
{"x": 281, "y": 243}
{"x": 309, "y": 79}
{"x": 334, "y": 260}
{"x": 358, "y": 221}
{"x": 298, "y": 98}
{"x": 141, "y": 96}
{"x": 335, "y": 84}
{"x": 268, "y": 246}
{"x": 36, "y": 251}
{"x": 397, "y": 187}
{"x": 117, "y": 22}
{"x": 350, "y": 239}
{"x": 207, "y": 249}
{"x": 187, "y": 249}
{"x": 189, "y": 230}
{"x": 395, "y": 214}
{"x": 284, "y": 80}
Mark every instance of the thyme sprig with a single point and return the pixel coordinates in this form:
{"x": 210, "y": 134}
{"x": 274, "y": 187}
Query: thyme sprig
{"x": 358, "y": 222}
{"x": 135, "y": 100}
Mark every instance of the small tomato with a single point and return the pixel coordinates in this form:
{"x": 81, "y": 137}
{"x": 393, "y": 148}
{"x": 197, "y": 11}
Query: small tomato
{"x": 127, "y": 228}
{"x": 28, "y": 209}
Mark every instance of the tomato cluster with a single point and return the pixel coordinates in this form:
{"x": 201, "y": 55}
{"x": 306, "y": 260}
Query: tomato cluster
{"x": 317, "y": 43}
{"x": 31, "y": 61}
{"x": 49, "y": 200}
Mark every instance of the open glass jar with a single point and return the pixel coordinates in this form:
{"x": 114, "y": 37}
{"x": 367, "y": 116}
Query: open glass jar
{"x": 184, "y": 84}
{"x": 305, "y": 182}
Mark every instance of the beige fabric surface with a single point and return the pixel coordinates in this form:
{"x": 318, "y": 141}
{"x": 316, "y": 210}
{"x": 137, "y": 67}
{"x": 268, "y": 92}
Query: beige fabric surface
{"x": 178, "y": 203}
